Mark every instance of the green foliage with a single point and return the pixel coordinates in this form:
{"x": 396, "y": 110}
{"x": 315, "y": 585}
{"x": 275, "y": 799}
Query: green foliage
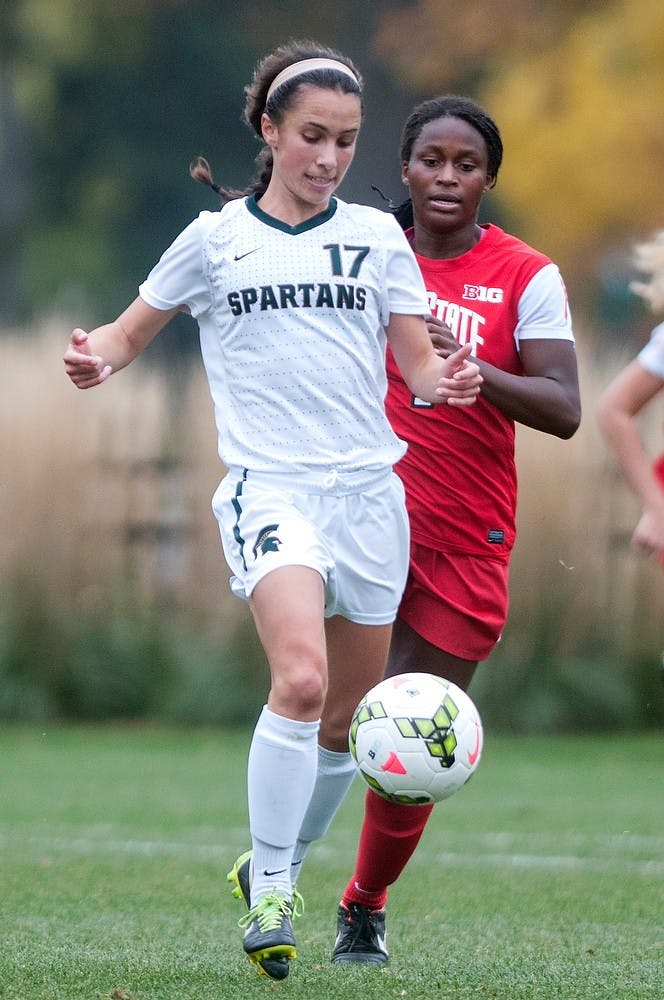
{"x": 118, "y": 107}
{"x": 137, "y": 661}
{"x": 574, "y": 90}
{"x": 103, "y": 108}
{"x": 541, "y": 680}
{"x": 130, "y": 662}
{"x": 32, "y": 651}
{"x": 614, "y": 57}
{"x": 542, "y": 878}
{"x": 101, "y": 112}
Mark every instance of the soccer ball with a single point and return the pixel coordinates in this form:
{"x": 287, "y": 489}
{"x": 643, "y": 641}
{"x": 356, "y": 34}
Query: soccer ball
{"x": 416, "y": 738}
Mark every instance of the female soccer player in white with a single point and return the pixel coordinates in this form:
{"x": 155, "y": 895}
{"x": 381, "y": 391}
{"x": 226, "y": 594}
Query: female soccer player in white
{"x": 626, "y": 397}
{"x": 295, "y": 294}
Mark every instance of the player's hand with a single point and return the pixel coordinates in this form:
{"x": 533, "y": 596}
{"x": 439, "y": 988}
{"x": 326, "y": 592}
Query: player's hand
{"x": 442, "y": 338}
{"x": 461, "y": 380}
{"x": 648, "y": 535}
{"x": 84, "y": 368}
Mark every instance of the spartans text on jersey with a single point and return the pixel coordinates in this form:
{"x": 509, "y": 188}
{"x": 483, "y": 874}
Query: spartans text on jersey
{"x": 307, "y": 295}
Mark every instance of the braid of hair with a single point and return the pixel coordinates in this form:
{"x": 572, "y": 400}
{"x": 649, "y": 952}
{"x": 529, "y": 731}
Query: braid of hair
{"x": 403, "y": 213}
{"x": 201, "y": 171}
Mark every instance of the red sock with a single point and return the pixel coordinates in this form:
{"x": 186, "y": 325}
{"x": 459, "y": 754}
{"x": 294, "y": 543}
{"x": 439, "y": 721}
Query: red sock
{"x": 390, "y": 834}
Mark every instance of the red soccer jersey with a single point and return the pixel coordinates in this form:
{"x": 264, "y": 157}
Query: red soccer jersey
{"x": 459, "y": 471}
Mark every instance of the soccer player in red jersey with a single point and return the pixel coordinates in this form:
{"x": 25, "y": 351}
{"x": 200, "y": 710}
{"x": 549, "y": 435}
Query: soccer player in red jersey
{"x": 508, "y": 301}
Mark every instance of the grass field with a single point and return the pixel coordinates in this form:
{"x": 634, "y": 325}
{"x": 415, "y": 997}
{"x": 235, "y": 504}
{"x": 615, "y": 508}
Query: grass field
{"x": 544, "y": 877}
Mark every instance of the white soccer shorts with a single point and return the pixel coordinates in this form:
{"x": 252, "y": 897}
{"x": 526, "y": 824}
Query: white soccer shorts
{"x": 357, "y": 540}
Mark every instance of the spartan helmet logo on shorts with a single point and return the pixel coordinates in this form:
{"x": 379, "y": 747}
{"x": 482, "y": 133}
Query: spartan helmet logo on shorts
{"x": 267, "y": 540}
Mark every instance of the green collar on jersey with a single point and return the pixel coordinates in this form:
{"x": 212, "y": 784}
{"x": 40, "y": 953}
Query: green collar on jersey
{"x": 303, "y": 227}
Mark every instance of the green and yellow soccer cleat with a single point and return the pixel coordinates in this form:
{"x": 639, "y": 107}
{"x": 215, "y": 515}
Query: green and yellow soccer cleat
{"x": 268, "y": 934}
{"x": 273, "y": 965}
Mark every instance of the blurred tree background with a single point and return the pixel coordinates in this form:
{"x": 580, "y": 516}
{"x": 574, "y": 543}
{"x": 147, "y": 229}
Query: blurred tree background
{"x": 102, "y": 108}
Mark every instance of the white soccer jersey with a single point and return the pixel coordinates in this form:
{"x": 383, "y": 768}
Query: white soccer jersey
{"x": 652, "y": 355}
{"x": 292, "y": 330}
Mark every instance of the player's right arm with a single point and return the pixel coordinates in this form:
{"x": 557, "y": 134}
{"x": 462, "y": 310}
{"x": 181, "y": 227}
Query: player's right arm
{"x": 91, "y": 357}
{"x": 453, "y": 380}
{"x": 619, "y": 407}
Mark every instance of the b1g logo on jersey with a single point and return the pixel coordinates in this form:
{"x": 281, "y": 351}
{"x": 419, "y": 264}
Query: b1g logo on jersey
{"x": 480, "y": 293}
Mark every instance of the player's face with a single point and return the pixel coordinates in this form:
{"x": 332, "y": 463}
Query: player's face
{"x": 447, "y": 175}
{"x": 312, "y": 148}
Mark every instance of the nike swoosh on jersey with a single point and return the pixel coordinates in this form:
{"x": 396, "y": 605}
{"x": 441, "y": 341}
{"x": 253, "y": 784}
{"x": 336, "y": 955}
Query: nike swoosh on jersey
{"x": 239, "y": 256}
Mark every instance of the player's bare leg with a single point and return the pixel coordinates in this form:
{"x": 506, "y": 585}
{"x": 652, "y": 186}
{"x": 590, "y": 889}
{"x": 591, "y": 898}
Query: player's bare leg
{"x": 409, "y": 651}
{"x": 357, "y": 655}
{"x": 287, "y": 606}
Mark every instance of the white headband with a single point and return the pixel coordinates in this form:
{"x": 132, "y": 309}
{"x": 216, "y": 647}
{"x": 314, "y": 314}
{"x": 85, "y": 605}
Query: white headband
{"x": 305, "y": 66}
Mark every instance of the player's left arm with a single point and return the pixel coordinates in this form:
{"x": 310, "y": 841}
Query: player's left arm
{"x": 546, "y": 397}
{"x": 455, "y": 379}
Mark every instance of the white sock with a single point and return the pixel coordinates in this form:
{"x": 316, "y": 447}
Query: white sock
{"x": 333, "y": 779}
{"x": 280, "y": 778}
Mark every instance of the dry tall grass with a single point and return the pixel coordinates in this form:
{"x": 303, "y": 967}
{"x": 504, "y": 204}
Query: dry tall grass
{"x": 108, "y": 487}
{"x": 108, "y": 491}
{"x": 575, "y": 521}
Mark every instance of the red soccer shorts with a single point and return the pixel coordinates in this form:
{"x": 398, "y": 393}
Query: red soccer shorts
{"x": 456, "y": 602}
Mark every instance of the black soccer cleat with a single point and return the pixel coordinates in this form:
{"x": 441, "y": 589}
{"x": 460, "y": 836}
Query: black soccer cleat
{"x": 360, "y": 935}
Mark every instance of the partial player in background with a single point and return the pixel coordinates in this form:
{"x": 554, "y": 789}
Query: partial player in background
{"x": 296, "y": 294}
{"x": 491, "y": 291}
{"x": 625, "y": 397}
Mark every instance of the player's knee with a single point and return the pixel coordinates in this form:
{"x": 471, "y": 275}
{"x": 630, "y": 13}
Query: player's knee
{"x": 300, "y": 690}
